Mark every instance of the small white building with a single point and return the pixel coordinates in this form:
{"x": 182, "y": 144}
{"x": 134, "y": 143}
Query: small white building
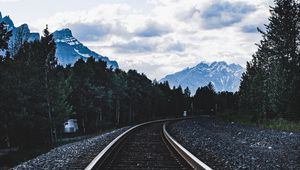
{"x": 184, "y": 113}
{"x": 71, "y": 126}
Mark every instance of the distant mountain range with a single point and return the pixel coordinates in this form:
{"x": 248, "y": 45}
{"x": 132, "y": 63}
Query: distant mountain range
{"x": 224, "y": 77}
{"x": 68, "y": 48}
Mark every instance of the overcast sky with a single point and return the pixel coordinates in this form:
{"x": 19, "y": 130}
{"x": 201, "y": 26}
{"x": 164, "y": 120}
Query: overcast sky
{"x": 156, "y": 37}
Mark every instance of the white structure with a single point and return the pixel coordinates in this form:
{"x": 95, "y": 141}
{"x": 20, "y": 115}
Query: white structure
{"x": 184, "y": 113}
{"x": 71, "y": 126}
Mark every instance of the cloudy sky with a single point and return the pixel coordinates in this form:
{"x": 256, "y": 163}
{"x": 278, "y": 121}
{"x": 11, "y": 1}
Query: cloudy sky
{"x": 156, "y": 37}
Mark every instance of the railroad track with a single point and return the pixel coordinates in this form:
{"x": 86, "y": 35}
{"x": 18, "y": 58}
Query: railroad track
{"x": 146, "y": 146}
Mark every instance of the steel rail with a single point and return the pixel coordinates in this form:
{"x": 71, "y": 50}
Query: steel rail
{"x": 191, "y": 159}
{"x": 101, "y": 157}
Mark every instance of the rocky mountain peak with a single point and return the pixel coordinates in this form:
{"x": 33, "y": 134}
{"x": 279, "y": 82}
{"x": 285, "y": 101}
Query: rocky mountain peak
{"x": 68, "y": 48}
{"x": 63, "y": 33}
{"x": 225, "y": 77}
{"x": 8, "y": 21}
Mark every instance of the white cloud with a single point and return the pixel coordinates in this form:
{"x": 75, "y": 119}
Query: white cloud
{"x": 9, "y": 0}
{"x": 167, "y": 37}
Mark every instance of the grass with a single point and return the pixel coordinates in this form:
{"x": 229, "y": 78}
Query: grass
{"x": 277, "y": 123}
{"x": 281, "y": 124}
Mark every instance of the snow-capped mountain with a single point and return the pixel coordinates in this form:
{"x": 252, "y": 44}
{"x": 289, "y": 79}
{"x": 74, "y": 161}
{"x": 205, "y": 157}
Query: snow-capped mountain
{"x": 69, "y": 49}
{"x": 225, "y": 77}
{"x": 19, "y": 36}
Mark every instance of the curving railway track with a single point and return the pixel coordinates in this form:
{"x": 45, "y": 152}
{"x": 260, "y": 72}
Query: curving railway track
{"x": 145, "y": 146}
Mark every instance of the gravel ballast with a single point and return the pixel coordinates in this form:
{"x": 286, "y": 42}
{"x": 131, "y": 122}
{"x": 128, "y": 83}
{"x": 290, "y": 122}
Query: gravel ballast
{"x": 75, "y": 155}
{"x": 228, "y": 145}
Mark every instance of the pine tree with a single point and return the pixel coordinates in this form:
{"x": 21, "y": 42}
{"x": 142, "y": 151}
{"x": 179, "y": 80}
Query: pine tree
{"x": 119, "y": 87}
{"x": 8, "y": 103}
{"x": 4, "y": 38}
{"x": 271, "y": 84}
{"x": 187, "y": 99}
{"x": 281, "y": 34}
{"x": 60, "y": 90}
{"x": 48, "y": 48}
{"x": 204, "y": 101}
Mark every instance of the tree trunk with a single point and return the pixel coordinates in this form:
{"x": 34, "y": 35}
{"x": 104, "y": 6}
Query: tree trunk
{"x": 117, "y": 111}
{"x": 48, "y": 99}
{"x": 130, "y": 112}
{"x": 99, "y": 119}
{"x": 83, "y": 125}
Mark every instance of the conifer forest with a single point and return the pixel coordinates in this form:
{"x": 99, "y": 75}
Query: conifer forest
{"x": 37, "y": 94}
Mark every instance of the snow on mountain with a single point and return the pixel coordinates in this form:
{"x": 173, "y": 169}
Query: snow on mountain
{"x": 8, "y": 21}
{"x": 69, "y": 49}
{"x": 225, "y": 77}
{"x": 33, "y": 37}
{"x": 19, "y": 36}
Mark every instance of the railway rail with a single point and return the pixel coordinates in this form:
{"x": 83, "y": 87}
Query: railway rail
{"x": 146, "y": 146}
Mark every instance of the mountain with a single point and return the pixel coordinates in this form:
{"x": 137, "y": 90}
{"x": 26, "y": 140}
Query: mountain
{"x": 19, "y": 36}
{"x": 225, "y": 77}
{"x": 69, "y": 49}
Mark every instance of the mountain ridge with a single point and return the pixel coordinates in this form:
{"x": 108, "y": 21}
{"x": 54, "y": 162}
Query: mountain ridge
{"x": 224, "y": 77}
{"x": 20, "y": 35}
{"x": 68, "y": 48}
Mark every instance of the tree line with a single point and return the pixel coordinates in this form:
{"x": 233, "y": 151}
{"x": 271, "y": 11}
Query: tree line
{"x": 271, "y": 85}
{"x": 38, "y": 95}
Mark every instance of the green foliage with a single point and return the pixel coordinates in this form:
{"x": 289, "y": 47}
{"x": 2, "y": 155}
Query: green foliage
{"x": 205, "y": 100}
{"x": 245, "y": 118}
{"x": 34, "y": 94}
{"x": 4, "y": 36}
{"x": 271, "y": 83}
{"x": 281, "y": 124}
{"x": 37, "y": 95}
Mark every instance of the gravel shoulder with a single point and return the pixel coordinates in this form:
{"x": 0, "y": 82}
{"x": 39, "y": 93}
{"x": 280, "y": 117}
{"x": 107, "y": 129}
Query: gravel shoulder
{"x": 228, "y": 145}
{"x": 75, "y": 155}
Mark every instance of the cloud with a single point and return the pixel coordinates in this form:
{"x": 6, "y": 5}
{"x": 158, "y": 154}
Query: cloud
{"x": 135, "y": 46}
{"x": 152, "y": 29}
{"x": 9, "y": 0}
{"x": 223, "y": 14}
{"x": 193, "y": 12}
{"x": 97, "y": 30}
{"x": 90, "y": 32}
{"x": 249, "y": 29}
{"x": 176, "y": 47}
{"x": 169, "y": 35}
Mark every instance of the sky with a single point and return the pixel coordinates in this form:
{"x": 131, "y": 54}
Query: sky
{"x": 155, "y": 37}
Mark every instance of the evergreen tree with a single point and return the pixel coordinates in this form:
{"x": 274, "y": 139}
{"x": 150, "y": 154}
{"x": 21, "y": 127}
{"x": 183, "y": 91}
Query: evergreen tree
{"x": 60, "y": 90}
{"x": 48, "y": 48}
{"x": 187, "y": 99}
{"x": 119, "y": 87}
{"x": 4, "y": 38}
{"x": 271, "y": 83}
{"x": 8, "y": 103}
{"x": 6, "y": 92}
{"x": 204, "y": 101}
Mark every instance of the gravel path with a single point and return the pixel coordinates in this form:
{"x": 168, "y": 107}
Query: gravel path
{"x": 75, "y": 155}
{"x": 227, "y": 145}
